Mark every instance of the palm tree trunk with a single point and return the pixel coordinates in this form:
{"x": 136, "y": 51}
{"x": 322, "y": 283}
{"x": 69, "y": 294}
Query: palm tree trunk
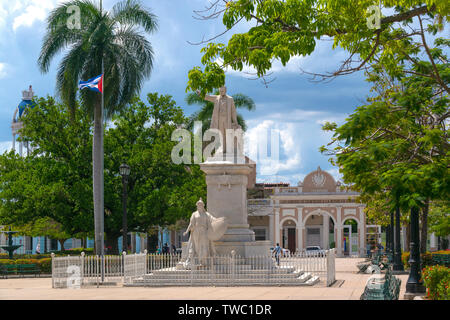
{"x": 97, "y": 158}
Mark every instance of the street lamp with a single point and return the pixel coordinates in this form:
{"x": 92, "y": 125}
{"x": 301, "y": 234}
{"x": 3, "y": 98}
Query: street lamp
{"x": 125, "y": 173}
{"x": 414, "y": 285}
{"x": 398, "y": 265}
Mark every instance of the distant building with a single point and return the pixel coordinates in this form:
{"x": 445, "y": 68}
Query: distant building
{"x": 317, "y": 212}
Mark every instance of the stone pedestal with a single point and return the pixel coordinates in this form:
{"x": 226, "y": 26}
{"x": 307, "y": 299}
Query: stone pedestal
{"x": 227, "y": 197}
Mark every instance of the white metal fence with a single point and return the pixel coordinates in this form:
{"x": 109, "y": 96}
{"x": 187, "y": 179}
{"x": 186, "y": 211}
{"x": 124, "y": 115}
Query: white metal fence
{"x": 77, "y": 271}
{"x": 301, "y": 268}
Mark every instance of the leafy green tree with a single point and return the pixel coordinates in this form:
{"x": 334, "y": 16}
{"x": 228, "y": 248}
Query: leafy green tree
{"x": 283, "y": 29}
{"x": 44, "y": 227}
{"x": 205, "y": 113}
{"x": 440, "y": 218}
{"x": 53, "y": 183}
{"x": 159, "y": 192}
{"x": 109, "y": 43}
{"x": 398, "y": 144}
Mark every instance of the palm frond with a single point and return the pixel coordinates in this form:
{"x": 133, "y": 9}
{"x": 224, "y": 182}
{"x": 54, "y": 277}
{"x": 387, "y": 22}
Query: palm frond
{"x": 243, "y": 101}
{"x": 131, "y": 12}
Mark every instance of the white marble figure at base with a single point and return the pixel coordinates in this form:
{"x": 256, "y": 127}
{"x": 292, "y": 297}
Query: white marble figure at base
{"x": 204, "y": 228}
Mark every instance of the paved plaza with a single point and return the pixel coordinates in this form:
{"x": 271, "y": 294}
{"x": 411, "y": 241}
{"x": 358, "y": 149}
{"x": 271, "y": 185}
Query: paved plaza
{"x": 349, "y": 286}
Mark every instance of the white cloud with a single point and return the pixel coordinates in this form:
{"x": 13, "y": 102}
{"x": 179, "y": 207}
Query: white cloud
{"x": 5, "y": 146}
{"x": 3, "y": 71}
{"x": 335, "y": 173}
{"x": 300, "y": 134}
{"x": 293, "y": 66}
{"x": 24, "y": 13}
{"x": 32, "y": 10}
{"x": 279, "y": 138}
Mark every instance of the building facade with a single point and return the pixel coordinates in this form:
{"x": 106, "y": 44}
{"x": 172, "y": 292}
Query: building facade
{"x": 317, "y": 212}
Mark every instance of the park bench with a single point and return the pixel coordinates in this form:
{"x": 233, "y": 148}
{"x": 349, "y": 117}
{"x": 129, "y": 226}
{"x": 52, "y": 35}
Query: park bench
{"x": 387, "y": 288}
{"x": 28, "y": 269}
{"x": 377, "y": 259}
{"x": 7, "y": 269}
{"x": 441, "y": 259}
{"x": 20, "y": 269}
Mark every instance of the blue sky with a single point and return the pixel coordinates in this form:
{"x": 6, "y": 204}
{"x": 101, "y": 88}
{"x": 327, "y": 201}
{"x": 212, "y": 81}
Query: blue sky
{"x": 292, "y": 104}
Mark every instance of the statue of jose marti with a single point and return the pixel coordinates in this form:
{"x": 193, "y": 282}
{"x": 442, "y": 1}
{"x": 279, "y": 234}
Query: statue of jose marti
{"x": 224, "y": 116}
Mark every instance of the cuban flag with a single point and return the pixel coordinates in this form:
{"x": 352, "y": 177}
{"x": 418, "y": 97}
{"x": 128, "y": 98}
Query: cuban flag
{"x": 94, "y": 84}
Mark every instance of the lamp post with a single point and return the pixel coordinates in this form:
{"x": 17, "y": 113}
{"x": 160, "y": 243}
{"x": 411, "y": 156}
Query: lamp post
{"x": 125, "y": 173}
{"x": 398, "y": 265}
{"x": 414, "y": 285}
{"x": 391, "y": 234}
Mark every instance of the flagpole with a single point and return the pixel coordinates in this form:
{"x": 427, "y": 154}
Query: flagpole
{"x": 103, "y": 163}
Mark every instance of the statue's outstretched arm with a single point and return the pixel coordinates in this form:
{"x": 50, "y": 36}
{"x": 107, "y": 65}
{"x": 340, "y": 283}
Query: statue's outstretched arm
{"x": 210, "y": 98}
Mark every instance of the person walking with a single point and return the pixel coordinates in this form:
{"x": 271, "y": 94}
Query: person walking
{"x": 277, "y": 251}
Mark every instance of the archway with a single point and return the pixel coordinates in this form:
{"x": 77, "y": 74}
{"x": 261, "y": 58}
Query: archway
{"x": 319, "y": 228}
{"x": 289, "y": 235}
{"x": 350, "y": 237}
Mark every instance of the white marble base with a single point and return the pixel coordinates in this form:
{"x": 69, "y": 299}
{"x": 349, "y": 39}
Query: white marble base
{"x": 243, "y": 249}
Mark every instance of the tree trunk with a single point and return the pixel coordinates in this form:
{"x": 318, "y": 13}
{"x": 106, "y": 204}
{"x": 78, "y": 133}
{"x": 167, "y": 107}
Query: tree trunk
{"x": 98, "y": 184}
{"x": 61, "y": 242}
{"x": 83, "y": 242}
{"x": 424, "y": 228}
{"x": 408, "y": 237}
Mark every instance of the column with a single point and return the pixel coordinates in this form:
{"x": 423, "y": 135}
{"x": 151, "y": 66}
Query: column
{"x": 362, "y": 232}
{"x": 271, "y": 222}
{"x": 433, "y": 242}
{"x": 326, "y": 231}
{"x": 14, "y": 143}
{"x": 299, "y": 230}
{"x": 277, "y": 227}
{"x": 404, "y": 239}
{"x": 338, "y": 231}
{"x": 133, "y": 242}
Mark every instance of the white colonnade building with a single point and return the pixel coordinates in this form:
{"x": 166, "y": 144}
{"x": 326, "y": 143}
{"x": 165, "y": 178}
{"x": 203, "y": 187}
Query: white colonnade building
{"x": 317, "y": 212}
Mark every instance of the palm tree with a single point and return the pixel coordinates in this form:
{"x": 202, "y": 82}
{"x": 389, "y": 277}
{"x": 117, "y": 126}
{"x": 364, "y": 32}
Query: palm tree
{"x": 205, "y": 113}
{"x": 109, "y": 43}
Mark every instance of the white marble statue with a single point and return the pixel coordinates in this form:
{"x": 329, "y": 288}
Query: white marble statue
{"x": 224, "y": 115}
{"x": 204, "y": 229}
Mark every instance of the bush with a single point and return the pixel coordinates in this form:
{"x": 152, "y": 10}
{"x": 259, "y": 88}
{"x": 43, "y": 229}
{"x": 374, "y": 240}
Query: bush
{"x": 26, "y": 256}
{"x": 75, "y": 252}
{"x": 45, "y": 264}
{"x": 436, "y": 279}
{"x": 442, "y": 252}
{"x": 426, "y": 259}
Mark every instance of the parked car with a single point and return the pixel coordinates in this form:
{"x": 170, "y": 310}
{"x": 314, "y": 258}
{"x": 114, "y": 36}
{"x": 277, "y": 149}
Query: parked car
{"x": 314, "y": 251}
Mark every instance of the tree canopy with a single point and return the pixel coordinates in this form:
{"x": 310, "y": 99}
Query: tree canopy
{"x": 54, "y": 183}
{"x": 282, "y": 29}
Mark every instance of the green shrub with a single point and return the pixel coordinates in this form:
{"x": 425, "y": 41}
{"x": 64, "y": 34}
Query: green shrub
{"x": 75, "y": 252}
{"x": 442, "y": 252}
{"x": 426, "y": 259}
{"x": 436, "y": 279}
{"x": 45, "y": 265}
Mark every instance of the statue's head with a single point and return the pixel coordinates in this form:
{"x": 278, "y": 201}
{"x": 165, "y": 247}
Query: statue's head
{"x": 200, "y": 205}
{"x": 223, "y": 91}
